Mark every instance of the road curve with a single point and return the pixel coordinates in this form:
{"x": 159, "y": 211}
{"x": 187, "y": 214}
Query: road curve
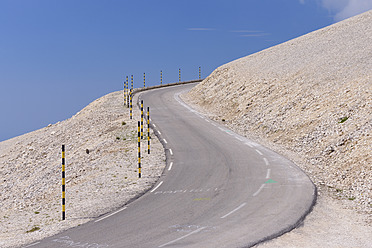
{"x": 219, "y": 189}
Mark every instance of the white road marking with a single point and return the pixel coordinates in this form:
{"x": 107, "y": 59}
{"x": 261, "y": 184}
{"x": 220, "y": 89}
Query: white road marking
{"x": 111, "y": 214}
{"x": 259, "y": 190}
{"x": 165, "y": 141}
{"x": 180, "y": 191}
{"x": 170, "y": 150}
{"x": 248, "y": 144}
{"x": 178, "y": 99}
{"x": 159, "y": 132}
{"x": 236, "y": 209}
{"x": 268, "y": 173}
{"x": 221, "y": 129}
{"x": 259, "y": 152}
{"x": 214, "y": 124}
{"x": 170, "y": 166}
{"x": 185, "y": 236}
{"x": 266, "y": 161}
{"x": 238, "y": 138}
{"x": 156, "y": 187}
{"x": 32, "y": 244}
{"x": 66, "y": 241}
{"x": 153, "y": 124}
{"x": 207, "y": 120}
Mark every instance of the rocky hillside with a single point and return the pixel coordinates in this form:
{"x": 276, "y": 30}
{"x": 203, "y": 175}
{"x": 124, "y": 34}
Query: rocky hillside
{"x": 309, "y": 98}
{"x": 101, "y": 171}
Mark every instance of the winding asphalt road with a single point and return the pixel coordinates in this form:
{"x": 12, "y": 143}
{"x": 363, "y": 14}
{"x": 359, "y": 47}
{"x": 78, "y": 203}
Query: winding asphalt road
{"x": 219, "y": 189}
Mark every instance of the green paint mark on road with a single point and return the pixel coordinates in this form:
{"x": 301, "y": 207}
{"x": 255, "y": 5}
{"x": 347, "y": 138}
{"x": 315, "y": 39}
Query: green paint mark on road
{"x": 271, "y": 181}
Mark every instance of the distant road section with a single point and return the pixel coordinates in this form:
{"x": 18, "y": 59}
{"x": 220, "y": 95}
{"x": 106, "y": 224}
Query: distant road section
{"x": 219, "y": 189}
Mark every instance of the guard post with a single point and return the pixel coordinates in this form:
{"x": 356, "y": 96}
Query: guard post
{"x": 131, "y": 106}
{"x": 127, "y": 94}
{"x": 141, "y": 119}
{"x": 139, "y": 150}
{"x": 144, "y": 80}
{"x": 63, "y": 184}
{"x": 131, "y": 82}
{"x": 148, "y": 130}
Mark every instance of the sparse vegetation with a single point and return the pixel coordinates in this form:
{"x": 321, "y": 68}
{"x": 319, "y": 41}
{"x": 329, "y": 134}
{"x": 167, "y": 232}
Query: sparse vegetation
{"x": 35, "y": 228}
{"x": 343, "y": 119}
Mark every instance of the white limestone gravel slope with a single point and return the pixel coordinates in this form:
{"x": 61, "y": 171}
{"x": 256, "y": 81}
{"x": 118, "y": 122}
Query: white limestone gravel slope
{"x": 96, "y": 182}
{"x": 310, "y": 99}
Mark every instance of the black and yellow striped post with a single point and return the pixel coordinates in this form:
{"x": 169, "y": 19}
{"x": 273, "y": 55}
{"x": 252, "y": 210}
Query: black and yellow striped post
{"x": 179, "y": 75}
{"x": 127, "y": 92}
{"x": 148, "y": 130}
{"x": 139, "y": 150}
{"x": 141, "y": 119}
{"x": 199, "y": 72}
{"x": 63, "y": 184}
{"x": 144, "y": 80}
{"x": 131, "y": 82}
{"x": 131, "y": 106}
{"x": 161, "y": 77}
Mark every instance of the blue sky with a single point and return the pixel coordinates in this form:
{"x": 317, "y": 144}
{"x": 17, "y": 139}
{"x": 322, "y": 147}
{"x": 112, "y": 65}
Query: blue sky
{"x": 58, "y": 56}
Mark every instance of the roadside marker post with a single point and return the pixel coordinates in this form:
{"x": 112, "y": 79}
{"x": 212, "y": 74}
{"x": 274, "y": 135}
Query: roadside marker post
{"x": 131, "y": 106}
{"x": 127, "y": 90}
{"x": 139, "y": 150}
{"x": 131, "y": 82}
{"x": 161, "y": 77}
{"x": 141, "y": 119}
{"x": 148, "y": 130}
{"x": 63, "y": 184}
{"x": 199, "y": 72}
{"x": 144, "y": 80}
{"x": 179, "y": 75}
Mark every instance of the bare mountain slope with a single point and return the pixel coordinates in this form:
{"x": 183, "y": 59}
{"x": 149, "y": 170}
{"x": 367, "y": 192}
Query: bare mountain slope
{"x": 101, "y": 171}
{"x": 310, "y": 98}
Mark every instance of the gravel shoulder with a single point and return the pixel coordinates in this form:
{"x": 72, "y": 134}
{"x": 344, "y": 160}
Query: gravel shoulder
{"x": 309, "y": 99}
{"x": 101, "y": 171}
{"x": 334, "y": 222}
